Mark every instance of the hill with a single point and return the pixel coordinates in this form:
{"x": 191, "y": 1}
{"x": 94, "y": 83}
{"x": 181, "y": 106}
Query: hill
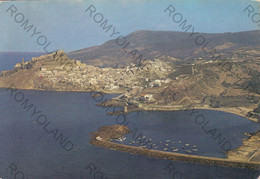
{"x": 153, "y": 44}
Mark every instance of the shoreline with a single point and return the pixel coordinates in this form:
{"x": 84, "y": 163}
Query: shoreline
{"x": 231, "y": 110}
{"x": 145, "y": 107}
{"x": 226, "y": 110}
{"x": 249, "y": 150}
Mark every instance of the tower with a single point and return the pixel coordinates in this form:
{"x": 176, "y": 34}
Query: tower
{"x": 125, "y": 109}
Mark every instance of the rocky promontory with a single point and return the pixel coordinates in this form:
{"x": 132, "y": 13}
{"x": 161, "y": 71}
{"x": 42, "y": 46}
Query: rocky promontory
{"x": 108, "y": 133}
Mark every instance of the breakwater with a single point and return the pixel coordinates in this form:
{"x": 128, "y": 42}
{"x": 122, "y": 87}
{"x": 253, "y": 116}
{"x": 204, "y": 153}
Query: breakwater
{"x": 176, "y": 156}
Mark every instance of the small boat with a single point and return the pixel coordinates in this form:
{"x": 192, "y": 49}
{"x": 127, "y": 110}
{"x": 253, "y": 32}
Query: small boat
{"x": 194, "y": 145}
{"x": 179, "y": 141}
{"x": 174, "y": 150}
{"x": 155, "y": 147}
{"x": 165, "y": 149}
{"x": 188, "y": 151}
{"x": 187, "y": 144}
{"x": 168, "y": 140}
{"x": 160, "y": 142}
{"x": 194, "y": 149}
{"x": 119, "y": 140}
{"x": 166, "y": 144}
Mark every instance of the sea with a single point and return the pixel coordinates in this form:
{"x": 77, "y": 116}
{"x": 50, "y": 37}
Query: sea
{"x": 46, "y": 134}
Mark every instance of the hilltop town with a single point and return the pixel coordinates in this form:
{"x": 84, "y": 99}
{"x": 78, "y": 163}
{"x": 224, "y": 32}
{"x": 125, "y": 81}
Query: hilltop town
{"x": 57, "y": 72}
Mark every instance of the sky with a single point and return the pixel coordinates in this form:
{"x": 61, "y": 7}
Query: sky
{"x": 66, "y": 26}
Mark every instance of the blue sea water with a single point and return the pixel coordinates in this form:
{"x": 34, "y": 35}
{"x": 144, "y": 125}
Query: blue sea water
{"x": 33, "y": 148}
